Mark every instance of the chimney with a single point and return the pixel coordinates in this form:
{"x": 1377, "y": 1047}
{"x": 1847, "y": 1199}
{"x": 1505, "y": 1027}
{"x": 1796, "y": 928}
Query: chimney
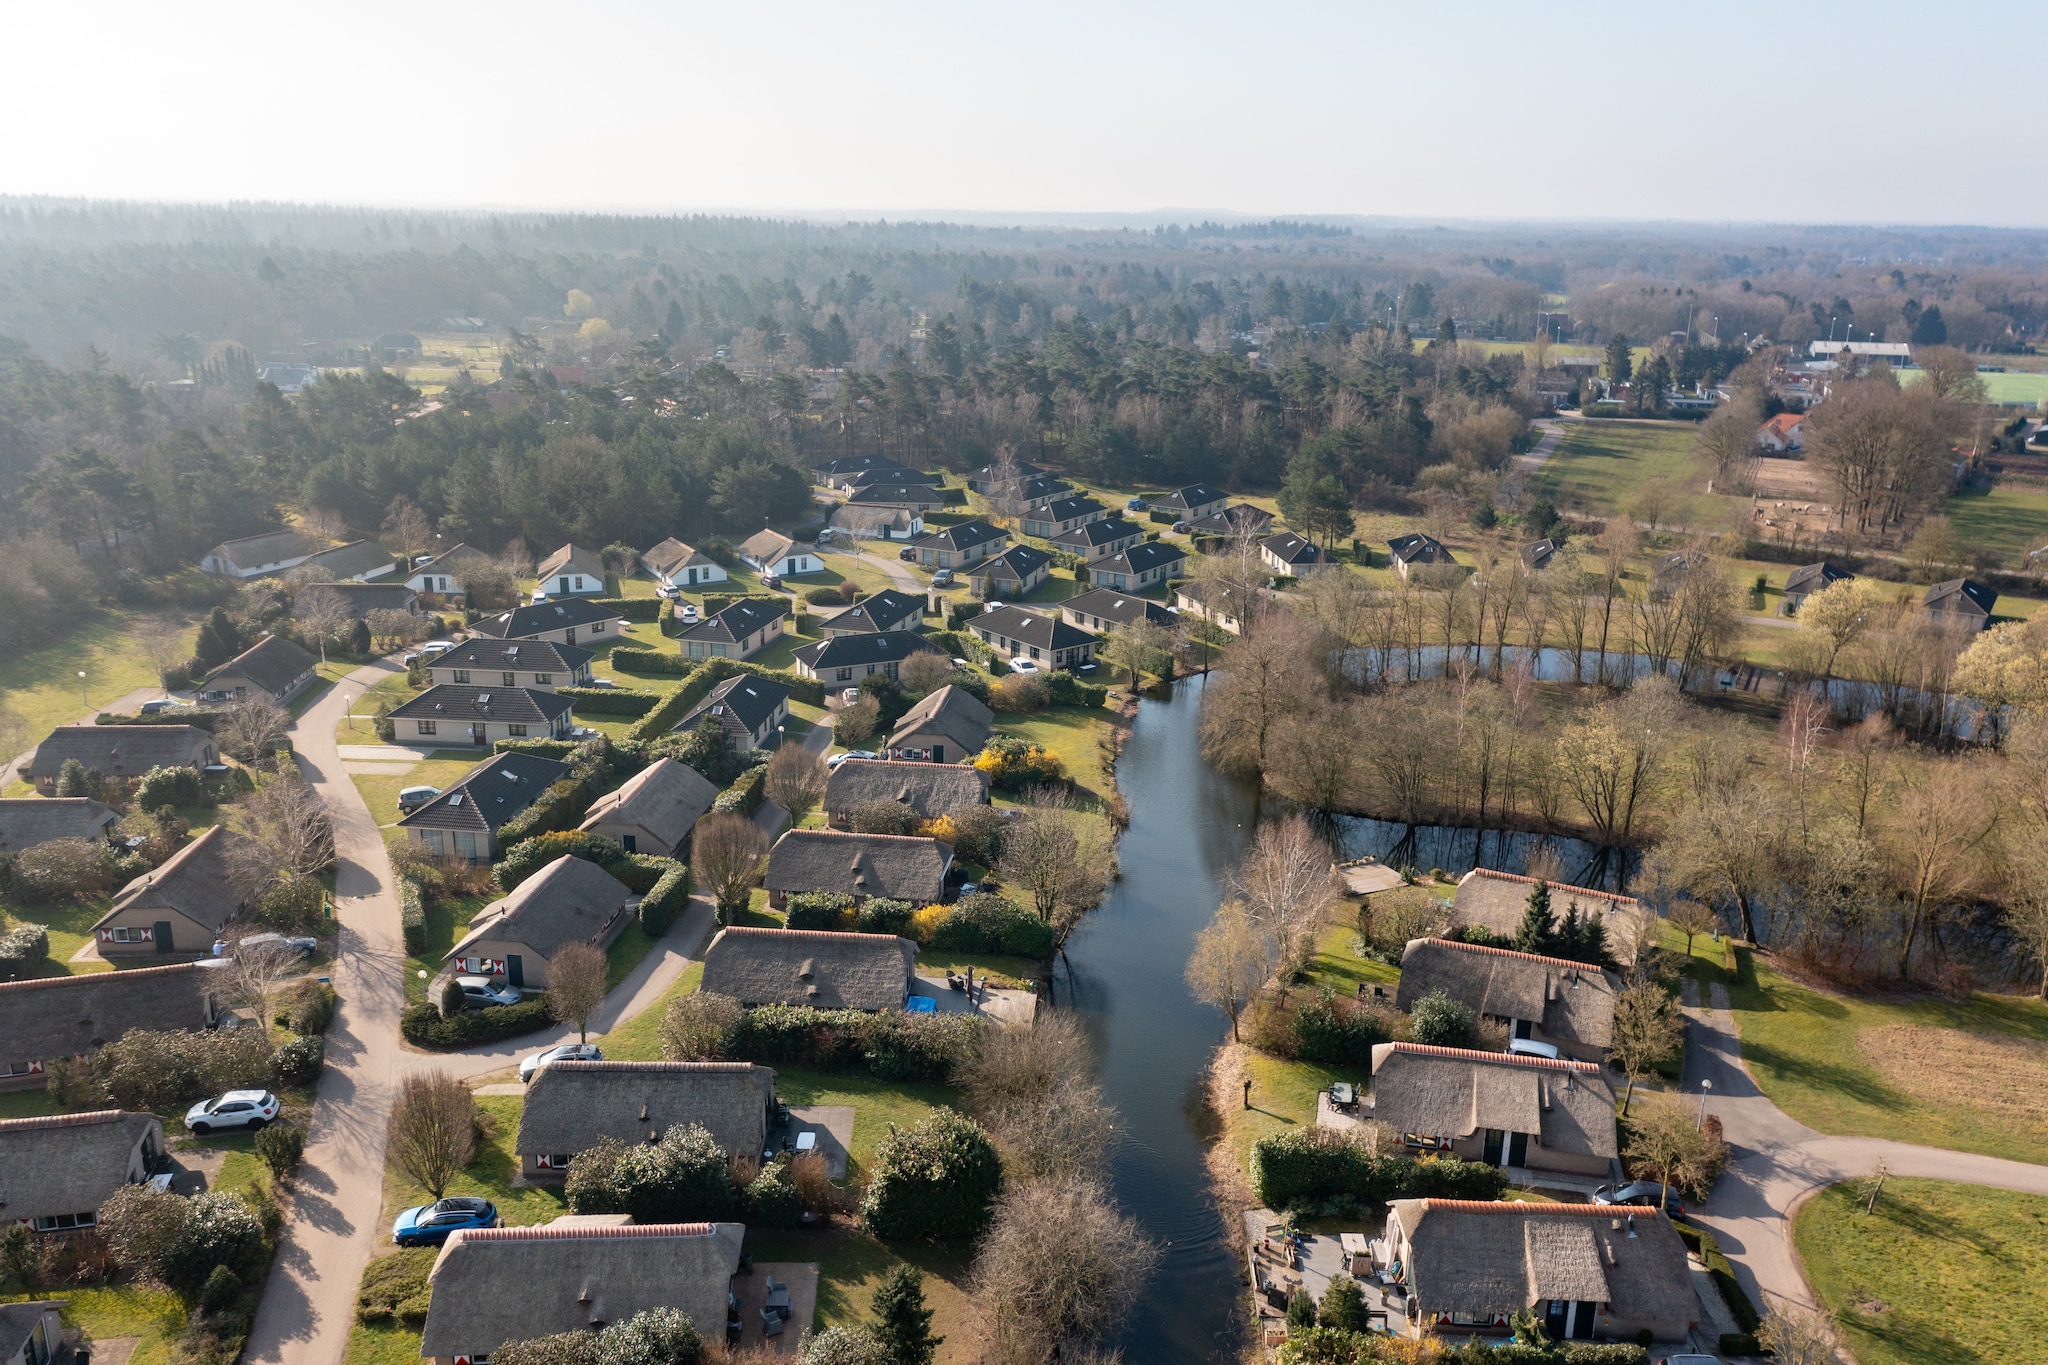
{"x": 1631, "y": 1227}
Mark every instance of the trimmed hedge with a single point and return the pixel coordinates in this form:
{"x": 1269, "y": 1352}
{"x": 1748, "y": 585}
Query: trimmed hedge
{"x": 640, "y": 872}
{"x": 1065, "y": 689}
{"x": 893, "y": 1045}
{"x": 610, "y": 701}
{"x": 661, "y": 905}
{"x": 412, "y": 915}
{"x": 630, "y": 659}
{"x": 988, "y": 923}
{"x": 1557, "y": 1353}
{"x": 22, "y": 948}
{"x": 1314, "y": 1165}
{"x": 557, "y": 749}
{"x": 1723, "y": 1274}
{"x": 307, "y": 1007}
{"x": 828, "y": 910}
{"x": 744, "y": 795}
{"x": 675, "y": 704}
{"x": 423, "y": 1026}
{"x": 632, "y": 608}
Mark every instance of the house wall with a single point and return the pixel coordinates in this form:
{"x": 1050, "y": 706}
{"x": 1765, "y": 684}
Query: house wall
{"x": 441, "y": 584}
{"x": 689, "y": 575}
{"x": 455, "y": 734}
{"x": 644, "y": 839}
{"x": 1058, "y": 658}
{"x": 533, "y": 963}
{"x": 1133, "y": 582}
{"x": 572, "y": 584}
{"x": 529, "y": 679}
{"x": 1106, "y": 550}
{"x": 188, "y": 936}
{"x": 443, "y": 843}
{"x": 236, "y": 686}
{"x": 1539, "y": 1158}
{"x": 928, "y": 746}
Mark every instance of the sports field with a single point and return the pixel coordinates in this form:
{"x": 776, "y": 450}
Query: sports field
{"x": 1601, "y": 464}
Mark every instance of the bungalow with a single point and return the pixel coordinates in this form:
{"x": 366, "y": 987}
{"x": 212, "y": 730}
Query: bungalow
{"x": 885, "y": 610}
{"x": 986, "y": 477}
{"x": 398, "y": 343}
{"x": 1016, "y": 572}
{"x": 916, "y": 497}
{"x": 359, "y": 561}
{"x": 1217, "y": 603}
{"x": 836, "y": 473}
{"x": 1062, "y": 515}
{"x": 287, "y": 377}
{"x": 1192, "y": 503}
{"x": 1103, "y": 609}
{"x": 846, "y": 659}
{"x": 1496, "y": 901}
{"x": 1099, "y": 539}
{"x": 898, "y": 867}
{"x": 771, "y": 552}
{"x": 1783, "y": 434}
{"x": 32, "y": 1331}
{"x": 254, "y": 556}
{"x": 515, "y": 936}
{"x": 676, "y": 565}
{"x": 1548, "y": 999}
{"x": 1241, "y": 519}
{"x": 1416, "y": 550}
{"x": 1015, "y": 633}
{"x": 1501, "y": 1108}
{"x": 1138, "y": 568}
{"x": 1809, "y": 579}
{"x": 443, "y": 574}
{"x": 740, "y": 631}
{"x": 810, "y": 967}
{"x": 1961, "y": 600}
{"x": 1587, "y": 1269}
{"x": 576, "y": 1274}
{"x": 1037, "y": 493}
{"x": 273, "y": 667}
{"x": 1537, "y": 554}
{"x": 891, "y": 474}
{"x": 654, "y": 811}
{"x": 123, "y": 754}
{"x": 959, "y": 547}
{"x": 360, "y": 599}
{"x": 463, "y": 821}
{"x": 56, "y": 1170}
{"x": 950, "y": 725}
{"x": 877, "y": 523}
{"x": 930, "y": 789}
{"x": 571, "y": 572}
{"x": 51, "y": 1018}
{"x": 751, "y": 709}
{"x": 1288, "y": 553}
{"x": 451, "y": 713}
{"x": 1668, "y": 571}
{"x": 181, "y": 906}
{"x": 26, "y": 821}
{"x": 561, "y": 622}
{"x": 571, "y": 1106}
{"x": 540, "y": 665}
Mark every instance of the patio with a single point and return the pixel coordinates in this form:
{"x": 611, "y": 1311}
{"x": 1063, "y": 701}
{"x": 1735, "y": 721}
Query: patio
{"x": 1000, "y": 1003}
{"x": 828, "y": 1128}
{"x": 750, "y": 1287}
{"x": 1281, "y": 1263}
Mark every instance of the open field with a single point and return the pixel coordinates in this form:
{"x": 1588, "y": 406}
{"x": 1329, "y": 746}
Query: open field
{"x": 2011, "y": 387}
{"x": 2006, "y": 518}
{"x": 155, "y": 1316}
{"x": 41, "y": 685}
{"x": 1073, "y": 733}
{"x": 1601, "y": 464}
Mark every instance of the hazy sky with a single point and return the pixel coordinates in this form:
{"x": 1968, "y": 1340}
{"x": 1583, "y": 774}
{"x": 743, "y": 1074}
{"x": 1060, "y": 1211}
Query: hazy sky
{"x": 1871, "y": 111}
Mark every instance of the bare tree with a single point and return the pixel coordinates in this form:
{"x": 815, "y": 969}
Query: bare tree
{"x": 1288, "y": 886}
{"x": 796, "y": 780}
{"x": 576, "y": 986}
{"x": 1797, "y": 1335}
{"x": 1691, "y": 918}
{"x": 1231, "y": 960}
{"x": 1732, "y": 846}
{"x": 433, "y": 1129}
{"x": 1060, "y": 1264}
{"x": 1279, "y": 666}
{"x": 322, "y": 615}
{"x": 254, "y": 726}
{"x": 256, "y": 970}
{"x": 406, "y": 528}
{"x": 1611, "y": 757}
{"x": 1138, "y": 647}
{"x": 1933, "y": 847}
{"x": 1034, "y": 1089}
{"x": 1665, "y": 1138}
{"x": 286, "y": 820}
{"x": 163, "y": 639}
{"x": 729, "y": 853}
{"x": 1647, "y": 1031}
{"x": 1061, "y": 857}
{"x": 923, "y": 672}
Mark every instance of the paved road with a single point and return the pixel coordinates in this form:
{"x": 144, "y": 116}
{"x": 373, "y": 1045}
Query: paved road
{"x": 1778, "y": 1161}
{"x": 1553, "y": 433}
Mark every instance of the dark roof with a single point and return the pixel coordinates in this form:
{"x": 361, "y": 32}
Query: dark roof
{"x": 1194, "y": 495}
{"x": 1294, "y": 550}
{"x": 951, "y": 711}
{"x": 464, "y": 702}
{"x": 963, "y": 535}
{"x": 1118, "y": 607}
{"x": 67, "y": 1016}
{"x": 1230, "y": 520}
{"x": 852, "y": 651}
{"x": 1023, "y": 469}
{"x": 1094, "y": 533}
{"x": 738, "y": 621}
{"x": 120, "y": 750}
{"x": 899, "y": 867}
{"x": 1043, "y": 485}
{"x": 1417, "y": 548}
{"x": 352, "y": 560}
{"x": 66, "y": 1163}
{"x": 363, "y": 598}
{"x": 848, "y": 464}
{"x": 269, "y": 548}
{"x": 568, "y": 901}
{"x": 26, "y": 821}
{"x": 751, "y": 701}
{"x": 1046, "y": 632}
{"x": 494, "y": 1285}
{"x": 890, "y": 474}
{"x": 1150, "y": 554}
{"x": 543, "y": 616}
{"x": 883, "y": 611}
{"x": 570, "y": 1106}
{"x": 489, "y": 794}
{"x": 1810, "y": 578}
{"x": 538, "y": 656}
{"x": 195, "y": 882}
{"x": 1963, "y": 596}
{"x": 891, "y": 494}
{"x": 1013, "y": 565}
{"x": 1454, "y": 1092}
{"x": 1497, "y": 900}
{"x": 665, "y": 798}
{"x": 18, "y": 1323}
{"x": 1538, "y": 553}
{"x": 1570, "y": 1001}
{"x": 809, "y": 967}
{"x": 272, "y": 663}
{"x": 447, "y": 561}
{"x": 930, "y": 789}
{"x": 1064, "y": 509}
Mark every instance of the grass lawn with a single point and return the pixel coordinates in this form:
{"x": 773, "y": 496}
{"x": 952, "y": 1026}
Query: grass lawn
{"x": 639, "y": 1038}
{"x": 628, "y": 950}
{"x": 852, "y": 1265}
{"x": 324, "y": 676}
{"x": 40, "y": 683}
{"x": 154, "y": 1315}
{"x": 380, "y": 790}
{"x": 2006, "y": 518}
{"x": 1072, "y": 732}
{"x": 70, "y": 926}
{"x": 1600, "y": 464}
{"x": 447, "y": 921}
{"x": 1940, "y": 1274}
{"x": 389, "y": 693}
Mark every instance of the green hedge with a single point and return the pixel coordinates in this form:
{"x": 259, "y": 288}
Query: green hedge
{"x": 988, "y": 923}
{"x": 23, "y": 948}
{"x": 630, "y": 659}
{"x": 1314, "y": 1165}
{"x": 828, "y": 910}
{"x": 744, "y": 795}
{"x": 423, "y": 1026}
{"x": 1723, "y": 1275}
{"x": 1557, "y": 1353}
{"x": 632, "y": 608}
{"x": 1064, "y": 689}
{"x": 640, "y": 872}
{"x": 893, "y": 1045}
{"x": 412, "y": 915}
{"x": 661, "y": 905}
{"x": 675, "y": 704}
{"x": 557, "y": 749}
{"x": 610, "y": 701}
{"x": 560, "y": 807}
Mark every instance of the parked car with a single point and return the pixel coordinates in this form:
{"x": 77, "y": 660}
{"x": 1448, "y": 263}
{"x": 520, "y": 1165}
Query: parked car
{"x": 943, "y": 578}
{"x": 771, "y": 580}
{"x": 159, "y": 705}
{"x": 1179, "y": 526}
{"x": 1642, "y": 1193}
{"x": 567, "y": 1052}
{"x": 250, "y": 1109}
{"x": 1529, "y": 1047}
{"x": 668, "y": 590}
{"x": 411, "y": 799}
{"x": 1134, "y": 504}
{"x": 478, "y": 992}
{"x": 540, "y": 595}
{"x": 687, "y": 614}
{"x": 908, "y": 554}
{"x": 849, "y": 695}
{"x": 838, "y": 759}
{"x": 302, "y": 944}
{"x": 428, "y": 1225}
{"x": 1020, "y": 664}
{"x": 434, "y": 649}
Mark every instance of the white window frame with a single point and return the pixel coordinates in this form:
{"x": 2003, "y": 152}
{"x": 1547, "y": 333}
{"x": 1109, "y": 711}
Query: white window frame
{"x": 428, "y": 727}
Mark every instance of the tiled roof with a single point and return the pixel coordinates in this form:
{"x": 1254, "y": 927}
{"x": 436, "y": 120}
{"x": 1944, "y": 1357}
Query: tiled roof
{"x": 464, "y": 702}
{"x": 544, "y": 616}
{"x": 489, "y": 794}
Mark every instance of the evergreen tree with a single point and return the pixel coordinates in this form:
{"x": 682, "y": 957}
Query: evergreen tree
{"x": 1447, "y": 334}
{"x": 1593, "y": 941}
{"x": 1565, "y": 942}
{"x": 359, "y": 639}
{"x": 1620, "y": 364}
{"x": 1534, "y": 933}
{"x": 218, "y": 641}
{"x": 1929, "y": 329}
{"x": 902, "y": 1321}
{"x": 75, "y": 779}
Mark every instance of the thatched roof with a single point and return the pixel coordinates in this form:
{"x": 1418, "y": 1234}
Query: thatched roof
{"x": 273, "y": 663}
{"x": 357, "y": 559}
{"x": 810, "y": 967}
{"x": 26, "y": 821}
{"x": 272, "y": 547}
{"x": 665, "y": 798}
{"x": 1455, "y": 1092}
{"x": 930, "y": 789}
{"x": 569, "y": 1106}
{"x": 571, "y": 559}
{"x": 195, "y": 882}
{"x": 121, "y": 750}
{"x": 66, "y": 1163}
{"x": 1567, "y": 1000}
{"x": 1471, "y": 1257}
{"x": 951, "y": 711}
{"x": 766, "y": 546}
{"x": 568, "y": 901}
{"x": 68, "y": 1016}
{"x": 894, "y": 866}
{"x": 673, "y": 555}
{"x": 363, "y": 598}
{"x": 494, "y": 1285}
{"x": 1497, "y": 899}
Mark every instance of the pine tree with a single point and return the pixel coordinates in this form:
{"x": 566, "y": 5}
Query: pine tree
{"x": 218, "y": 640}
{"x": 1533, "y": 934}
{"x": 902, "y": 1321}
{"x": 1565, "y": 942}
{"x": 1593, "y": 941}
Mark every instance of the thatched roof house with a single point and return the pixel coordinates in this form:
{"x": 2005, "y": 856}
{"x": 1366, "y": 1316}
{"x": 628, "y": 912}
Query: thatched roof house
{"x": 56, "y": 1170}
{"x": 180, "y": 907}
{"x": 1545, "y": 998}
{"x": 123, "y": 752}
{"x": 517, "y": 935}
{"x": 949, "y": 725}
{"x": 1496, "y": 901}
{"x": 656, "y": 809}
{"x": 930, "y": 789}
{"x": 571, "y": 1106}
{"x": 899, "y": 867}
{"x": 1496, "y": 1107}
{"x": 26, "y": 821}
{"x": 53, "y": 1017}
{"x": 494, "y": 1285}
{"x": 810, "y": 967}
{"x": 1588, "y": 1269}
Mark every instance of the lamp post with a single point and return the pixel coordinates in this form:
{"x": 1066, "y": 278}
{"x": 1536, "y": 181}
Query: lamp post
{"x": 1706, "y": 1087}
{"x": 81, "y": 690}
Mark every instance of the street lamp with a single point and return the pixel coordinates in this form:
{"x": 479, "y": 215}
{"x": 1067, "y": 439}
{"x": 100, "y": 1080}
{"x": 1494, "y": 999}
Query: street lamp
{"x": 1705, "y": 1088}
{"x": 81, "y": 690}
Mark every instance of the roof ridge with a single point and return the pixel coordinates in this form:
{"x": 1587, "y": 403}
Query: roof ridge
{"x": 51, "y": 982}
{"x": 1512, "y": 952}
{"x": 95, "y": 1116}
{"x": 548, "y": 1232}
{"x": 1615, "y": 896}
{"x": 586, "y": 1064}
{"x": 1551, "y": 1210}
{"x": 839, "y": 934}
{"x": 1499, "y": 1058}
{"x": 865, "y": 838}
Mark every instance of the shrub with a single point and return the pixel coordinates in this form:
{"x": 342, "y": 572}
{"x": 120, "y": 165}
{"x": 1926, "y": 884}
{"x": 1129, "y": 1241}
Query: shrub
{"x": 881, "y": 916}
{"x": 165, "y": 1071}
{"x": 298, "y": 1062}
{"x": 1013, "y": 764}
{"x": 629, "y": 659}
{"x": 882, "y": 817}
{"x": 653, "y": 1336}
{"x": 220, "y": 1290}
{"x": 610, "y": 701}
{"x": 22, "y": 949}
{"x": 395, "y": 1283}
{"x": 557, "y": 749}
{"x": 1316, "y": 1164}
{"x": 938, "y": 1179}
{"x": 824, "y": 597}
{"x": 665, "y": 900}
{"x": 988, "y": 923}
{"x": 857, "y": 1345}
{"x": 976, "y": 833}
{"x": 306, "y": 1007}
{"x": 280, "y": 1146}
{"x": 1066, "y": 690}
{"x": 1020, "y": 692}
{"x": 412, "y": 915}
{"x": 424, "y": 1026}
{"x": 640, "y": 872}
{"x": 819, "y": 910}
{"x": 560, "y": 807}
{"x": 162, "y": 787}
{"x": 219, "y": 1230}
{"x": 772, "y": 1199}
{"x": 1440, "y": 1021}
{"x": 1329, "y": 1030}
{"x": 1723, "y": 1275}
{"x": 702, "y": 1026}
{"x": 684, "y": 1178}
{"x": 65, "y": 869}
{"x": 632, "y": 608}
{"x": 893, "y": 1046}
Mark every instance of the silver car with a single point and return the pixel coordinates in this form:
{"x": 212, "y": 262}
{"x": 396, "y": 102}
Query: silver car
{"x": 478, "y": 992}
{"x": 567, "y": 1052}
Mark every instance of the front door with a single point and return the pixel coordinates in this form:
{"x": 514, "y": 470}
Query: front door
{"x": 938, "y": 753}
{"x": 162, "y": 935}
{"x": 1554, "y": 1320}
{"x": 629, "y": 842}
{"x": 1493, "y": 1143}
{"x": 1524, "y": 1027}
{"x": 477, "y": 734}
{"x": 1583, "y": 1316}
{"x": 569, "y": 636}
{"x": 1518, "y": 1149}
{"x": 515, "y": 970}
{"x": 564, "y": 581}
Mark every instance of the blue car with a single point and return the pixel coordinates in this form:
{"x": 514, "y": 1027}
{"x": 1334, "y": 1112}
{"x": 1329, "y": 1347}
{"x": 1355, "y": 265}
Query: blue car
{"x": 429, "y": 1224}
